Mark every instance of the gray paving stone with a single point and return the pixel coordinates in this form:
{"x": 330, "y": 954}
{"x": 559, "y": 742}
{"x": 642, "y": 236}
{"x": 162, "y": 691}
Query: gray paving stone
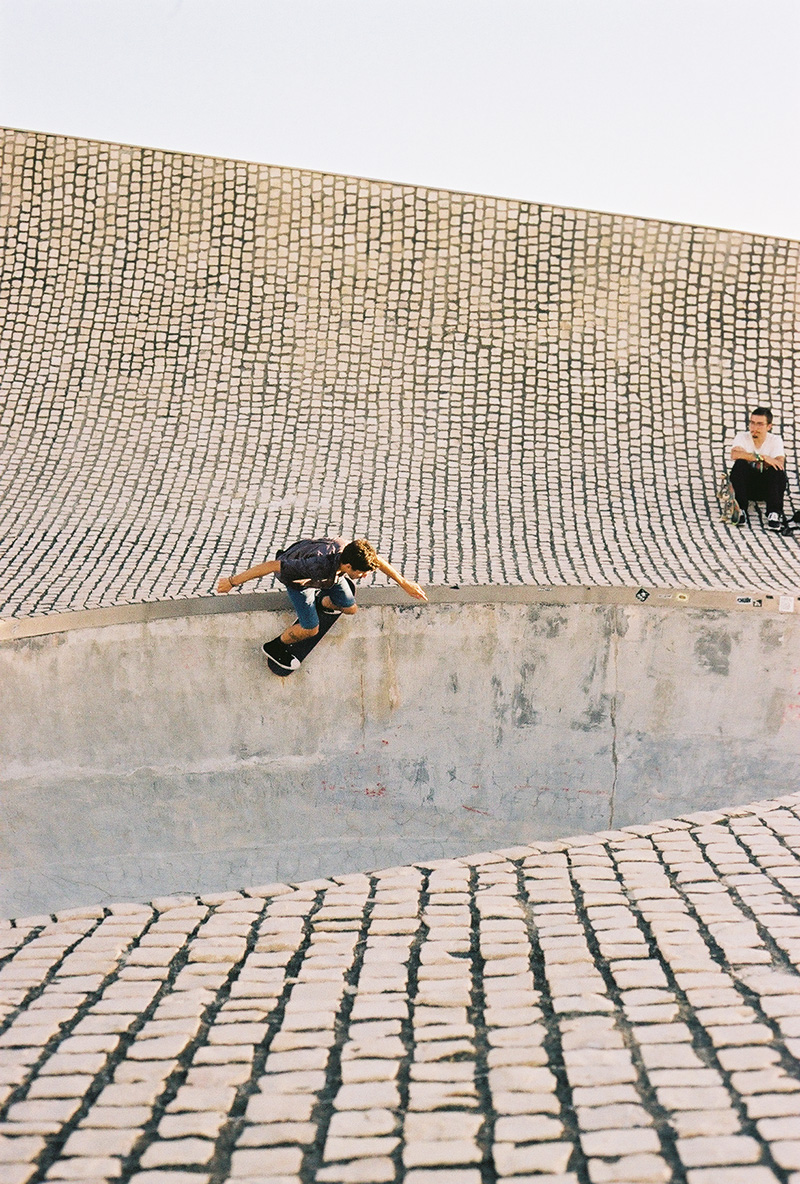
{"x": 378, "y": 1170}
{"x": 689, "y": 1124}
{"x": 531, "y": 1158}
{"x": 113, "y": 1142}
{"x": 362, "y": 1147}
{"x": 169, "y": 1177}
{"x": 732, "y": 1175}
{"x": 718, "y": 1149}
{"x": 630, "y": 1169}
{"x": 205, "y": 1123}
{"x": 177, "y": 1152}
{"x": 362, "y": 1123}
{"x": 85, "y": 1168}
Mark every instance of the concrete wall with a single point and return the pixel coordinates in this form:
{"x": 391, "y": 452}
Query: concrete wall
{"x": 145, "y": 758}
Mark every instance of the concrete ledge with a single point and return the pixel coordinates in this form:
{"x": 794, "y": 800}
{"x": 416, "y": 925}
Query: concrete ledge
{"x": 742, "y": 600}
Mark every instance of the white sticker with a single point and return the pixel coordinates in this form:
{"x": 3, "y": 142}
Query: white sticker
{"x": 786, "y": 604}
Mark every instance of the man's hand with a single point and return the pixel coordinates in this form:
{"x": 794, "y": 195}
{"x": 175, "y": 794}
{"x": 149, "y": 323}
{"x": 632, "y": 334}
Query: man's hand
{"x": 774, "y": 462}
{"x": 224, "y": 585}
{"x": 412, "y": 589}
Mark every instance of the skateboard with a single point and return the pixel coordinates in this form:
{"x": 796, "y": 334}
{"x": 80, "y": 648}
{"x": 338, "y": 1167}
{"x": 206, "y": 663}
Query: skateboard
{"x": 301, "y": 649}
{"x": 791, "y": 525}
{"x": 728, "y": 505}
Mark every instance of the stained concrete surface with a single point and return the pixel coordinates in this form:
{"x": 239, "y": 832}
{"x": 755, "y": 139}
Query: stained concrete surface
{"x": 149, "y": 757}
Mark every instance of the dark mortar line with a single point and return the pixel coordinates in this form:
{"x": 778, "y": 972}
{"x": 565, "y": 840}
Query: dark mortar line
{"x": 752, "y": 855}
{"x": 65, "y": 1028}
{"x": 37, "y": 991}
{"x": 55, "y": 1143}
{"x": 407, "y": 1024}
{"x": 322, "y": 1111}
{"x": 647, "y": 1093}
{"x": 130, "y": 1163}
{"x": 219, "y": 1164}
{"x": 753, "y": 858}
{"x": 552, "y": 1042}
{"x": 761, "y": 820}
{"x": 789, "y": 1062}
{"x": 700, "y": 1039}
{"x": 477, "y": 1013}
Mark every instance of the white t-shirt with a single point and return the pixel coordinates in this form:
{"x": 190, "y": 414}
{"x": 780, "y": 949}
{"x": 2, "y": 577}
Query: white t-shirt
{"x": 772, "y": 446}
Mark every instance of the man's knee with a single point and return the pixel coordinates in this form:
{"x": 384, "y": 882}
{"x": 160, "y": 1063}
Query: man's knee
{"x": 350, "y": 609}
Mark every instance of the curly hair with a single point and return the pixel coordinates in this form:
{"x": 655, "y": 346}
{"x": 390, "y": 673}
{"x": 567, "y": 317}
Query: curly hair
{"x": 360, "y": 555}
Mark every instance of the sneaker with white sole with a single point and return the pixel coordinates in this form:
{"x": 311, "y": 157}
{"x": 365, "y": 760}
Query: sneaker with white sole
{"x": 774, "y": 521}
{"x": 281, "y": 654}
{"x": 742, "y": 520}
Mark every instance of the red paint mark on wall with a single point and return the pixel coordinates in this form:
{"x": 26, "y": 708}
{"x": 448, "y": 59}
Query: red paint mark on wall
{"x": 474, "y": 810}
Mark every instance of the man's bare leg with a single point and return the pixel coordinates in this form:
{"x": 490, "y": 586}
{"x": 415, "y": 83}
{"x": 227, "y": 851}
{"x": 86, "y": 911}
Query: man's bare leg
{"x": 296, "y": 632}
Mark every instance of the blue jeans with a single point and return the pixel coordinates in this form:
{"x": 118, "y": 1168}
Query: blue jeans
{"x": 303, "y": 600}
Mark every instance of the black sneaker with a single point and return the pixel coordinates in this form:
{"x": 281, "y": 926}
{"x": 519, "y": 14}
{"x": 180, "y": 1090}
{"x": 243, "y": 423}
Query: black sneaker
{"x": 774, "y": 521}
{"x": 742, "y": 520}
{"x": 281, "y": 654}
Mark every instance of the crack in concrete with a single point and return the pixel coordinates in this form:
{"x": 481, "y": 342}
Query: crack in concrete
{"x": 613, "y": 718}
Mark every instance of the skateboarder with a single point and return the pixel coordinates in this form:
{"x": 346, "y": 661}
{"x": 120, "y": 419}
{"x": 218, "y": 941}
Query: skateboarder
{"x": 312, "y": 564}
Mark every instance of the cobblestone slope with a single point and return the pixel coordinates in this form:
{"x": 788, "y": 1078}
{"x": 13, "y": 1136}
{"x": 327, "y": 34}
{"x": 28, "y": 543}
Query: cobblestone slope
{"x": 615, "y": 1007}
{"x": 204, "y": 358}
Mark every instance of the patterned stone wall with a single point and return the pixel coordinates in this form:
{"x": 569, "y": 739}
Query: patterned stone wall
{"x": 204, "y": 358}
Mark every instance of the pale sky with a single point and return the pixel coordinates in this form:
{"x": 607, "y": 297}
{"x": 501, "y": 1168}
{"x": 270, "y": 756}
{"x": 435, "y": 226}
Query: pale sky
{"x": 679, "y": 109}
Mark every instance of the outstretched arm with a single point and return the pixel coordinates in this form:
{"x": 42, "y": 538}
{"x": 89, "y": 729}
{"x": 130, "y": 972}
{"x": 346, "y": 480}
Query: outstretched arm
{"x": 261, "y": 569}
{"x": 407, "y": 585}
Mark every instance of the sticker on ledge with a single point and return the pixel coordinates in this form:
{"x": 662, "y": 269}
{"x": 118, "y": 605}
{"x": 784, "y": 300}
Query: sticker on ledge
{"x": 681, "y": 595}
{"x": 786, "y": 604}
{"x": 642, "y": 595}
{"x": 744, "y": 600}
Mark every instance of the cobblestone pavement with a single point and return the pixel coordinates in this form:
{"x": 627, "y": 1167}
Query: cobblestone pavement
{"x": 615, "y": 1007}
{"x": 201, "y": 359}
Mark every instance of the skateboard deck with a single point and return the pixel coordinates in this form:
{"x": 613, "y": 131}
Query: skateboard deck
{"x": 791, "y": 525}
{"x": 301, "y": 649}
{"x": 728, "y": 505}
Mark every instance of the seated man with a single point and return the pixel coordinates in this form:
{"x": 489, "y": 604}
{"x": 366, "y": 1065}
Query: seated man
{"x": 312, "y": 564}
{"x": 758, "y": 473}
